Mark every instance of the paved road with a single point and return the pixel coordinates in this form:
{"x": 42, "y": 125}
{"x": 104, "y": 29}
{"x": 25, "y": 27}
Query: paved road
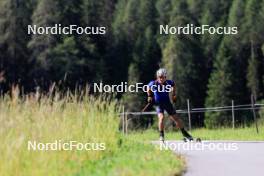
{"x": 221, "y": 158}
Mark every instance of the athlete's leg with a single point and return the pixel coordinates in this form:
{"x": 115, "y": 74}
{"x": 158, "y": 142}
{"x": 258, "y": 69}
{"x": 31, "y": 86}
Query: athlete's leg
{"x": 161, "y": 125}
{"x": 175, "y": 118}
{"x": 161, "y": 122}
{"x": 160, "y": 112}
{"x": 179, "y": 125}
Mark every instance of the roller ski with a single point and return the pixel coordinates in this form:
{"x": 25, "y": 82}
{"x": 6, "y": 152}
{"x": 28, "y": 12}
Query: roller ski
{"x": 191, "y": 139}
{"x": 161, "y": 139}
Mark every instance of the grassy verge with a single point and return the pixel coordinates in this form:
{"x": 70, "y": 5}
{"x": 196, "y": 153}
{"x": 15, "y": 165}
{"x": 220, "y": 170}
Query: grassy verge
{"x": 243, "y": 134}
{"x": 136, "y": 158}
{"x": 44, "y": 119}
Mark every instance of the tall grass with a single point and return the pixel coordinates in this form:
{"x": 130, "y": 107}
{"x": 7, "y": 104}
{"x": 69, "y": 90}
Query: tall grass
{"x": 79, "y": 117}
{"x": 46, "y": 118}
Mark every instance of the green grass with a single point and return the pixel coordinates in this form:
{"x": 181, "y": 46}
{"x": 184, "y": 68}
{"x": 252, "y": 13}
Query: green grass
{"x": 136, "y": 158}
{"x": 45, "y": 119}
{"x": 243, "y": 134}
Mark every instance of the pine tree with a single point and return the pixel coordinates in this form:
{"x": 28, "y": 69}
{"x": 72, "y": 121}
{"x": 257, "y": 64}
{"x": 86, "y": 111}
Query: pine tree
{"x": 164, "y": 8}
{"x": 197, "y": 7}
{"x": 220, "y": 88}
{"x": 183, "y": 58}
{"x": 253, "y": 75}
{"x": 135, "y": 100}
{"x": 101, "y": 13}
{"x": 228, "y": 80}
{"x": 138, "y": 25}
{"x": 73, "y": 54}
{"x": 14, "y": 18}
{"x": 215, "y": 13}
{"x": 45, "y": 14}
{"x": 255, "y": 38}
{"x": 62, "y": 56}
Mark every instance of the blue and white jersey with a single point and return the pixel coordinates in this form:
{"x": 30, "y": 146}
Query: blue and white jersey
{"x": 161, "y": 92}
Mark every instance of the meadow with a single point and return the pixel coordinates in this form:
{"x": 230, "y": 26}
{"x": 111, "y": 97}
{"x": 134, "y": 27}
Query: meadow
{"x": 84, "y": 118}
{"x": 80, "y": 117}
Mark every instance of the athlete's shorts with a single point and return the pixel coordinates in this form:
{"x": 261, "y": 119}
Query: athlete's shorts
{"x": 168, "y": 107}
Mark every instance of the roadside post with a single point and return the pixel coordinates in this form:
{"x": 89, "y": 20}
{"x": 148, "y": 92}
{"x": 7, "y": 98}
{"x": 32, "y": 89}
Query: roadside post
{"x": 233, "y": 115}
{"x": 254, "y": 111}
{"x": 189, "y": 114}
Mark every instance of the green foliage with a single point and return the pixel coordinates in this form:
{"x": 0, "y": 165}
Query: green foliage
{"x": 261, "y": 114}
{"x": 253, "y": 76}
{"x": 183, "y": 65}
{"x": 14, "y": 18}
{"x": 134, "y": 101}
{"x": 215, "y": 13}
{"x": 255, "y": 37}
{"x": 210, "y": 70}
{"x": 139, "y": 26}
{"x": 41, "y": 45}
{"x": 220, "y": 88}
{"x": 237, "y": 68}
{"x": 92, "y": 120}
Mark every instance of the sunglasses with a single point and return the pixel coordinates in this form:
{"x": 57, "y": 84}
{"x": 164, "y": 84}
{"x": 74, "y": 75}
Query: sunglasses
{"x": 162, "y": 77}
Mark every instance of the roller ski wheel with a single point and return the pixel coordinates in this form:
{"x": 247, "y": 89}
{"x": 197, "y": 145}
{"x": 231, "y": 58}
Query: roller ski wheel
{"x": 185, "y": 139}
{"x": 162, "y": 139}
{"x": 198, "y": 140}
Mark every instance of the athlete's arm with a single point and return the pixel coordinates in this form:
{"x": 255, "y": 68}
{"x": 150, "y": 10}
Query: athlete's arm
{"x": 149, "y": 92}
{"x": 150, "y": 95}
{"x": 173, "y": 90}
{"x": 174, "y": 97}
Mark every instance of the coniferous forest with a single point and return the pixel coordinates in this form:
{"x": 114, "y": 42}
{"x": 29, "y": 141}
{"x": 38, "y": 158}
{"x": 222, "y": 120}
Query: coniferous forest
{"x": 210, "y": 69}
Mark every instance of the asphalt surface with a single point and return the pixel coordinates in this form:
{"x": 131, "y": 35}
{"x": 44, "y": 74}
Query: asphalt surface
{"x": 220, "y": 158}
